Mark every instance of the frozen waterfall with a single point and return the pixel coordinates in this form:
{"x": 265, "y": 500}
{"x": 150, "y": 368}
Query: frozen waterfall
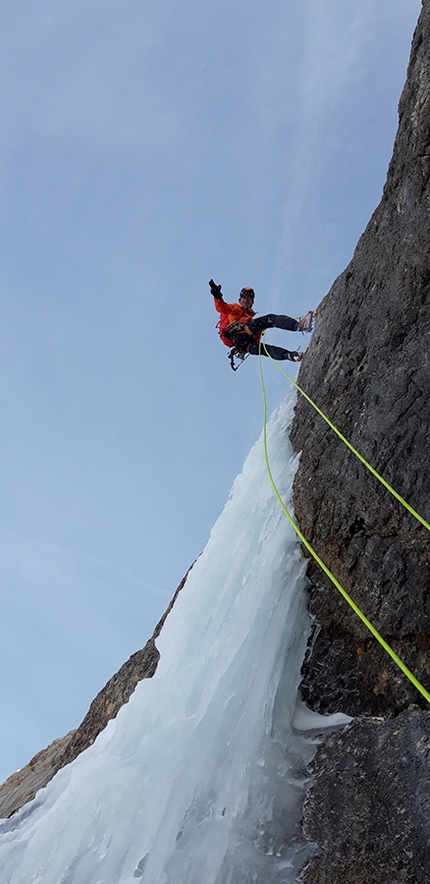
{"x": 199, "y": 778}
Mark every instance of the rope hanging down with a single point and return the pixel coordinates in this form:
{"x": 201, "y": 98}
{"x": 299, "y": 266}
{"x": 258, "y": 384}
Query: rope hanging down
{"x": 351, "y": 447}
{"x": 322, "y": 565}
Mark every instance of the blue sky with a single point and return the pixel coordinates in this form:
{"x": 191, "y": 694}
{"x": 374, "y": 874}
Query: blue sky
{"x": 144, "y": 148}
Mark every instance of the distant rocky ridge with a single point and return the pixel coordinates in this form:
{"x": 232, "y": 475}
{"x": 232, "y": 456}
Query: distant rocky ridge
{"x": 23, "y": 785}
{"x": 368, "y": 369}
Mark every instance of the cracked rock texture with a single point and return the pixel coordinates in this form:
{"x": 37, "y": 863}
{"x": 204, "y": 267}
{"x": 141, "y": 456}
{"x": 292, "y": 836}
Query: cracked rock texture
{"x": 359, "y": 813}
{"x": 367, "y": 368}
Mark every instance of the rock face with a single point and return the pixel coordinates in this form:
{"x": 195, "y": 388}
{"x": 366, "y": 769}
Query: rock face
{"x": 367, "y": 368}
{"x": 370, "y": 811}
{"x": 23, "y": 785}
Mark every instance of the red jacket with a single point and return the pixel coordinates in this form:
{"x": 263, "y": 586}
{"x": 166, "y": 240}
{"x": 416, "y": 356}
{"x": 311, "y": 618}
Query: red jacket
{"x": 231, "y": 313}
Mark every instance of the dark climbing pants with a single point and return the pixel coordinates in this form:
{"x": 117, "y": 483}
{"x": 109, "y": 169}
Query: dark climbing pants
{"x": 245, "y": 343}
{"x": 272, "y": 320}
{"x": 278, "y": 353}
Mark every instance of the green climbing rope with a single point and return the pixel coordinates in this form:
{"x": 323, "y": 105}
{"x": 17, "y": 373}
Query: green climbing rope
{"x": 351, "y": 447}
{"x": 320, "y": 562}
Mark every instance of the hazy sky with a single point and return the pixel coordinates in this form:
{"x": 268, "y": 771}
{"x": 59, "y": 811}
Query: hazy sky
{"x": 145, "y": 147}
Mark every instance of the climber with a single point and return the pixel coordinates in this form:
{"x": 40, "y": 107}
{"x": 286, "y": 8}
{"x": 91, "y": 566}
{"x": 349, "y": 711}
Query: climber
{"x": 239, "y": 330}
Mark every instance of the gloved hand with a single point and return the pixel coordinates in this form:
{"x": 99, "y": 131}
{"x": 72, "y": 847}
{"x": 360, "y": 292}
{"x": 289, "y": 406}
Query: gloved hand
{"x": 295, "y": 356}
{"x": 215, "y": 289}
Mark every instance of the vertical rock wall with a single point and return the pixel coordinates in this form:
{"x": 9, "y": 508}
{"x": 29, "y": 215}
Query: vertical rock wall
{"x": 368, "y": 369}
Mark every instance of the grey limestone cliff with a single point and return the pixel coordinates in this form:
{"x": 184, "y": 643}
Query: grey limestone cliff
{"x": 367, "y": 368}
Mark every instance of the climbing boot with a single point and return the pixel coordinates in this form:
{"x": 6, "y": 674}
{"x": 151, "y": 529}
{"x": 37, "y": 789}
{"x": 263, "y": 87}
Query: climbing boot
{"x": 306, "y": 323}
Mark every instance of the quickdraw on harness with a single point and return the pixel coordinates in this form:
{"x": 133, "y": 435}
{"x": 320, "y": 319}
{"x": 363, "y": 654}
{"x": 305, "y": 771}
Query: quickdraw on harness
{"x": 235, "y": 353}
{"x": 239, "y": 355}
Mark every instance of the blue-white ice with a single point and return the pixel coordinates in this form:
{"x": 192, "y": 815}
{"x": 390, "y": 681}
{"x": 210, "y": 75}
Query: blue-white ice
{"x": 199, "y": 779}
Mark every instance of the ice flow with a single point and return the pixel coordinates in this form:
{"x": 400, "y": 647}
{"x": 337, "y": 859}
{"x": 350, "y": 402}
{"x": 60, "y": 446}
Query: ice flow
{"x": 199, "y": 778}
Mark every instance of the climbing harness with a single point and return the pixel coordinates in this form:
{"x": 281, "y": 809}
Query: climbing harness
{"x": 315, "y": 555}
{"x": 237, "y": 328}
{"x": 228, "y": 332}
